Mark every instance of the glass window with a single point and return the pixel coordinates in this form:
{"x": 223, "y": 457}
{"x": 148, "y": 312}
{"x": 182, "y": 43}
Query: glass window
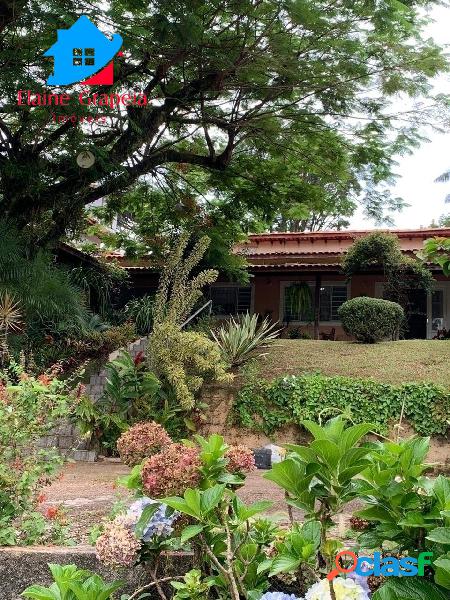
{"x": 296, "y": 295}
{"x": 437, "y": 310}
{"x": 230, "y": 300}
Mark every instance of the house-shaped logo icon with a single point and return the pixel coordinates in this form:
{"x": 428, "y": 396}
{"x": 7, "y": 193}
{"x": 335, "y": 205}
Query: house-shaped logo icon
{"x": 82, "y": 51}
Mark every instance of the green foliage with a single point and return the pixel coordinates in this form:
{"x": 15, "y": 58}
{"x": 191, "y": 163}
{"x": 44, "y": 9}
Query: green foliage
{"x": 409, "y": 510}
{"x": 140, "y": 310}
{"x": 437, "y": 251}
{"x": 238, "y": 339}
{"x": 182, "y": 360}
{"x": 235, "y": 92}
{"x": 71, "y": 583}
{"x": 267, "y": 406}
{"x": 132, "y": 394}
{"x": 48, "y": 299}
{"x": 371, "y": 320}
{"x": 29, "y": 409}
{"x": 320, "y": 478}
{"x": 402, "y": 273}
{"x": 193, "y": 586}
{"x": 299, "y": 301}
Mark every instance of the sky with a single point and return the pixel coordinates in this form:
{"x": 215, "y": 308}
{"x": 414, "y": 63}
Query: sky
{"x": 418, "y": 171}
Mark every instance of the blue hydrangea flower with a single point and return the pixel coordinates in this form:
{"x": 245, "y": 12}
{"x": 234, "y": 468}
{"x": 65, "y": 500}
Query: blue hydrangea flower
{"x": 278, "y": 596}
{"x": 159, "y": 525}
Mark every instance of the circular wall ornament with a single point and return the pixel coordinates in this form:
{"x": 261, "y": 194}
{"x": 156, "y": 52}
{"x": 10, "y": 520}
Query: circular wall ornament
{"x": 85, "y": 159}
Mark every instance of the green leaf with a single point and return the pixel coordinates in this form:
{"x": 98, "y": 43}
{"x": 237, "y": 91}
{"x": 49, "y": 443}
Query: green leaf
{"x": 290, "y": 475}
{"x": 413, "y": 519}
{"x": 353, "y": 434}
{"x": 328, "y": 451}
{"x": 284, "y": 564}
{"x": 191, "y": 531}
{"x": 376, "y": 513}
{"x": 179, "y": 504}
{"x": 316, "y": 430}
{"x": 409, "y": 588}
{"x": 192, "y": 498}
{"x": 144, "y": 519}
{"x": 442, "y": 573}
{"x": 311, "y": 532}
{"x": 39, "y": 592}
{"x": 441, "y": 535}
{"x": 211, "y": 497}
{"x": 246, "y": 512}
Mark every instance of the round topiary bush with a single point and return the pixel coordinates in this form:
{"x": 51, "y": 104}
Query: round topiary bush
{"x": 370, "y": 320}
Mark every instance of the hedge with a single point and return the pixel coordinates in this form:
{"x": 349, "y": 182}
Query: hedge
{"x": 267, "y": 406}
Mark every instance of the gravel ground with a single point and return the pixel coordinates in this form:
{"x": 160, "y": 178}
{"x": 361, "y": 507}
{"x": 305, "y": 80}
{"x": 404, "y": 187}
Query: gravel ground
{"x": 88, "y": 491}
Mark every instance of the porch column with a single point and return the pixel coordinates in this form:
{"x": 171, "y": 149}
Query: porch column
{"x": 317, "y": 305}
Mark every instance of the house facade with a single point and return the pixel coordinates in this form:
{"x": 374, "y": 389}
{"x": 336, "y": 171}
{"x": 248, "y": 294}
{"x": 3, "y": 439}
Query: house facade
{"x": 279, "y": 261}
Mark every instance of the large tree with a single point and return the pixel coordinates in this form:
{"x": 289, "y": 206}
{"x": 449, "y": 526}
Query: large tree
{"x": 229, "y": 81}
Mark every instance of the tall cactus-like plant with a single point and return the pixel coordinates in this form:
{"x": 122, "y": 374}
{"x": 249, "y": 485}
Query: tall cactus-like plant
{"x": 183, "y": 359}
{"x": 177, "y": 294}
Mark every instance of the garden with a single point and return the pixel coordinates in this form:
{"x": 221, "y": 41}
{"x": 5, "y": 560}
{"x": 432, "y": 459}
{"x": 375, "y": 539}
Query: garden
{"x": 351, "y": 482}
{"x": 232, "y": 457}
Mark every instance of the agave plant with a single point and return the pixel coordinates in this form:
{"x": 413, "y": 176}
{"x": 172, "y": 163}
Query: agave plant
{"x": 10, "y": 314}
{"x": 237, "y": 339}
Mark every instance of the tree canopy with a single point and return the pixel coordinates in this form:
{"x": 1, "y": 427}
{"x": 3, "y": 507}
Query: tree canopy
{"x": 262, "y": 111}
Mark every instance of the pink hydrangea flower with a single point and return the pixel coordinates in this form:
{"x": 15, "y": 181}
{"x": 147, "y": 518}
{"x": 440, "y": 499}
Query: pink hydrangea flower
{"x": 142, "y": 441}
{"x": 240, "y": 459}
{"x": 117, "y": 546}
{"x": 172, "y": 471}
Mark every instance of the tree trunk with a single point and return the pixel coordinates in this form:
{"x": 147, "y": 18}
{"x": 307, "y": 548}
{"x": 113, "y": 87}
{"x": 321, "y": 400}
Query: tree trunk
{"x": 317, "y": 305}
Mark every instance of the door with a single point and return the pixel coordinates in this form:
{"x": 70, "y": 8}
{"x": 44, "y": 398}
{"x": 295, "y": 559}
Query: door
{"x": 416, "y": 315}
{"x": 437, "y": 314}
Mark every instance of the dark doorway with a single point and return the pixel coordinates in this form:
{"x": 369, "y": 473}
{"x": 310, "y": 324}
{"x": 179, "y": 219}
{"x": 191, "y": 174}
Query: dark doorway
{"x": 416, "y": 315}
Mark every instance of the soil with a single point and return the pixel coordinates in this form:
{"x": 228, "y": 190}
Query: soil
{"x": 88, "y": 491}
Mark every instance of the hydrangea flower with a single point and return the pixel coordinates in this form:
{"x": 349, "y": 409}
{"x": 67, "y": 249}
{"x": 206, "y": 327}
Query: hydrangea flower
{"x": 278, "y": 596}
{"x": 172, "y": 471}
{"x": 240, "y": 459}
{"x": 345, "y": 589}
{"x": 117, "y": 546}
{"x": 360, "y": 579}
{"x": 142, "y": 441}
{"x": 159, "y": 524}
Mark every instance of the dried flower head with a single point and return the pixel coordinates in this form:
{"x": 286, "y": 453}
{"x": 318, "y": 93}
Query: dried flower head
{"x": 117, "y": 546}
{"x": 142, "y": 441}
{"x": 172, "y": 471}
{"x": 240, "y": 459}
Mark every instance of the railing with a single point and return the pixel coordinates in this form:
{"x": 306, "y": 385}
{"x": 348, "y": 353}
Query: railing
{"x": 197, "y": 312}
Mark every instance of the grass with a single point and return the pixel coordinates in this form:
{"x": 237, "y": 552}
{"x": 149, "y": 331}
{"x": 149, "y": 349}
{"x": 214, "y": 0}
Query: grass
{"x": 389, "y": 362}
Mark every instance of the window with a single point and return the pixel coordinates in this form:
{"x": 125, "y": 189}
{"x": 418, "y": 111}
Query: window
{"x": 331, "y": 298}
{"x": 437, "y": 310}
{"x": 83, "y": 56}
{"x": 230, "y": 300}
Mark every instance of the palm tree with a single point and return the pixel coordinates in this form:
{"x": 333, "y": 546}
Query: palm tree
{"x": 444, "y": 178}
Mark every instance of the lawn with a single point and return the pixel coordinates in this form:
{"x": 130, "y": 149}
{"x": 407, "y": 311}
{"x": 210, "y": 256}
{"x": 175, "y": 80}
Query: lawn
{"x": 390, "y": 362}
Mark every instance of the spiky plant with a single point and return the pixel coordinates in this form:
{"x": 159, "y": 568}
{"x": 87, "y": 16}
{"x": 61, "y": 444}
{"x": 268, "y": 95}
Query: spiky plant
{"x": 238, "y": 339}
{"x": 10, "y": 314}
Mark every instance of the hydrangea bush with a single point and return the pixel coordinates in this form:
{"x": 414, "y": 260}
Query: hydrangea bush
{"x": 141, "y": 441}
{"x": 186, "y": 498}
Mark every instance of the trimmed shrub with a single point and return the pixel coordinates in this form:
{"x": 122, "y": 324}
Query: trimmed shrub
{"x": 269, "y": 405}
{"x": 370, "y": 320}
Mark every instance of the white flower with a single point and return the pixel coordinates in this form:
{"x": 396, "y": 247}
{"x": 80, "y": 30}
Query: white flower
{"x": 345, "y": 589}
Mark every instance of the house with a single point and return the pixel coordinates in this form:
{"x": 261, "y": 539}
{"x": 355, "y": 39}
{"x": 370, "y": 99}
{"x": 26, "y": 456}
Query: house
{"x": 80, "y": 52}
{"x": 279, "y": 261}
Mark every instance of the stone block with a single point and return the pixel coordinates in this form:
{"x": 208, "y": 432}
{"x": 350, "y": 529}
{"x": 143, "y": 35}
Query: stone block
{"x": 83, "y": 455}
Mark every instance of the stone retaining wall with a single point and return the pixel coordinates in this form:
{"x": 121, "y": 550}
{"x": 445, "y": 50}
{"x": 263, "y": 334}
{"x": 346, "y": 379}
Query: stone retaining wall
{"x": 22, "y": 567}
{"x": 65, "y": 437}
